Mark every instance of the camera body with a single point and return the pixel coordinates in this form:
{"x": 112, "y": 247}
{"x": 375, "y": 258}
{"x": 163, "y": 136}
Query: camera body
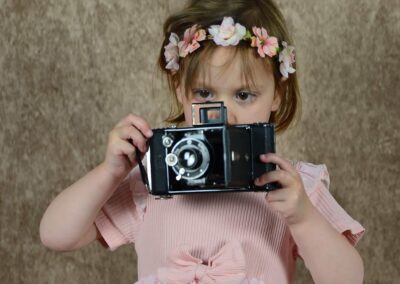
{"x": 211, "y": 156}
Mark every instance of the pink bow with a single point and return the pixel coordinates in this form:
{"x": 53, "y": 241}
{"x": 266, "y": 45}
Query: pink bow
{"x": 227, "y": 266}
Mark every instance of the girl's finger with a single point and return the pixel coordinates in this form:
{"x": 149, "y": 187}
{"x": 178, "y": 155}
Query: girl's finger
{"x": 138, "y": 122}
{"x": 280, "y": 176}
{"x": 279, "y": 195}
{"x": 125, "y": 148}
{"x": 281, "y": 162}
{"x": 133, "y": 134}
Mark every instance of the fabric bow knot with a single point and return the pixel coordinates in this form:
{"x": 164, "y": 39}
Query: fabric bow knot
{"x": 227, "y": 266}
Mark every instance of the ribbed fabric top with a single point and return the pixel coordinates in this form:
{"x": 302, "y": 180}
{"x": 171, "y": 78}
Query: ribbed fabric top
{"x": 204, "y": 223}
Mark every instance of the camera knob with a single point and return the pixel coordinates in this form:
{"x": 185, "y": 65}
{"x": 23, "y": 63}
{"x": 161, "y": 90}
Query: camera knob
{"x": 171, "y": 159}
{"x": 167, "y": 141}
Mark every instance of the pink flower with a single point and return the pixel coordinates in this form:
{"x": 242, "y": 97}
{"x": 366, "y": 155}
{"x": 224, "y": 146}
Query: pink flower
{"x": 287, "y": 58}
{"x": 191, "y": 39}
{"x": 267, "y": 45}
{"x": 171, "y": 52}
{"x": 228, "y": 33}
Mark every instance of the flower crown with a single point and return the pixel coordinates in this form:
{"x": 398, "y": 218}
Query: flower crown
{"x": 229, "y": 33}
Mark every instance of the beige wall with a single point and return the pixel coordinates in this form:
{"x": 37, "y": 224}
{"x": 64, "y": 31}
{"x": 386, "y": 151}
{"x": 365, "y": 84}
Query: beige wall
{"x": 69, "y": 70}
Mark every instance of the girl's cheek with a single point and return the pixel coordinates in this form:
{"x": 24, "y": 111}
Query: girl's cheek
{"x": 196, "y": 100}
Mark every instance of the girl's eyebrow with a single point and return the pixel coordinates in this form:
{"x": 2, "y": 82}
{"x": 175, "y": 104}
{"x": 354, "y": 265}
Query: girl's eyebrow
{"x": 204, "y": 84}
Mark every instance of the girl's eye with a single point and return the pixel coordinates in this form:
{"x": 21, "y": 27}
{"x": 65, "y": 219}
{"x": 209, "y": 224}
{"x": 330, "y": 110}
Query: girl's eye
{"x": 202, "y": 94}
{"x": 245, "y": 97}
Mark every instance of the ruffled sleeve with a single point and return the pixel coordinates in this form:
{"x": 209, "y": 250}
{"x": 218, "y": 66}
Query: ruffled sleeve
{"x": 120, "y": 218}
{"x": 316, "y": 183}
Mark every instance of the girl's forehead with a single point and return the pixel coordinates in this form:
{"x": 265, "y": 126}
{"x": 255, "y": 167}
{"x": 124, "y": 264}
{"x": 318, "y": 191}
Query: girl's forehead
{"x": 227, "y": 65}
{"x": 222, "y": 56}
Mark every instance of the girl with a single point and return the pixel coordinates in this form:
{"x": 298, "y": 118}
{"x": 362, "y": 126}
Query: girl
{"x": 238, "y": 52}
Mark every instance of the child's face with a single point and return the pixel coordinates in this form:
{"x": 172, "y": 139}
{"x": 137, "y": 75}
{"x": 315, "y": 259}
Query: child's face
{"x": 223, "y": 80}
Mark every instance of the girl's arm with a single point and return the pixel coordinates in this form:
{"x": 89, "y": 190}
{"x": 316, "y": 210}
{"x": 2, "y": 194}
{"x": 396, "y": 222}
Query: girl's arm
{"x": 68, "y": 222}
{"x": 327, "y": 254}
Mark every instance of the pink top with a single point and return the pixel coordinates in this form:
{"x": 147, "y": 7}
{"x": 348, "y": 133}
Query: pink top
{"x": 214, "y": 238}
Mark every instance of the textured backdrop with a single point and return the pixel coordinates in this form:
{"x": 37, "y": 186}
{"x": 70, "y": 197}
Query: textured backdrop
{"x": 69, "y": 70}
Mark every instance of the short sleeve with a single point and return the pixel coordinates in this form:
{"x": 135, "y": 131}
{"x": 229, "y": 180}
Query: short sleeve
{"x": 120, "y": 218}
{"x": 316, "y": 183}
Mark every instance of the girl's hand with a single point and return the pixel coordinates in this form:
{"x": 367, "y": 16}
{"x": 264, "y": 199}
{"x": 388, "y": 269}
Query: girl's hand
{"x": 291, "y": 201}
{"x": 132, "y": 131}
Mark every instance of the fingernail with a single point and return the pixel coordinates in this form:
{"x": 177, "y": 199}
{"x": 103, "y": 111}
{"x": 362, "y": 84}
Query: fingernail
{"x": 149, "y": 133}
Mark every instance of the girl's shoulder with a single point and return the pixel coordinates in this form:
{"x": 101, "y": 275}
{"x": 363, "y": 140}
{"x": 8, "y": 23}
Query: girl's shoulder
{"x": 313, "y": 175}
{"x": 316, "y": 184}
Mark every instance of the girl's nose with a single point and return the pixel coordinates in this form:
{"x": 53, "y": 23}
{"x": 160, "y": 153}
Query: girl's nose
{"x": 230, "y": 111}
{"x": 231, "y": 117}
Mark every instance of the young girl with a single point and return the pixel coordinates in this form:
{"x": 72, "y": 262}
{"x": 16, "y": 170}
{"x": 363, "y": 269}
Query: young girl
{"x": 238, "y": 52}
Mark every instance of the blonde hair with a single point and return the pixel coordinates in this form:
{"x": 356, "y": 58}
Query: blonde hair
{"x": 249, "y": 13}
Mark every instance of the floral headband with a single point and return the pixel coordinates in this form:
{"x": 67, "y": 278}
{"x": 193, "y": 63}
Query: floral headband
{"x": 229, "y": 33}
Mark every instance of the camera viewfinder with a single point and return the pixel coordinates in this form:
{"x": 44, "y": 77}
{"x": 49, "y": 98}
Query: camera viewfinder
{"x": 208, "y": 113}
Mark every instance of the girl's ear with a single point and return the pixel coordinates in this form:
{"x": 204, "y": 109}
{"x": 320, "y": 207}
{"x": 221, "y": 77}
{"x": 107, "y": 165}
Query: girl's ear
{"x": 276, "y": 103}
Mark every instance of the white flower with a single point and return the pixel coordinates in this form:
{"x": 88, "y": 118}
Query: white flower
{"x": 171, "y": 52}
{"x": 287, "y": 58}
{"x": 227, "y": 33}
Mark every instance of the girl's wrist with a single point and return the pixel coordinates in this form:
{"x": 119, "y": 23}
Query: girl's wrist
{"x": 115, "y": 178}
{"x": 307, "y": 215}
{"x": 311, "y": 223}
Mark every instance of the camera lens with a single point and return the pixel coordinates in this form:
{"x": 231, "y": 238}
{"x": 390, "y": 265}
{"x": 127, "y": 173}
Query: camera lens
{"x": 190, "y": 158}
{"x": 193, "y": 157}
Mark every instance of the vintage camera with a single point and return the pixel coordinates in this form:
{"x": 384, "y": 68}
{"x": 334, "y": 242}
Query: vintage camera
{"x": 211, "y": 156}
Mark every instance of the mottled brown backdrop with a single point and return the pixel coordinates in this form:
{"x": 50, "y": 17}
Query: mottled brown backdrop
{"x": 69, "y": 70}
